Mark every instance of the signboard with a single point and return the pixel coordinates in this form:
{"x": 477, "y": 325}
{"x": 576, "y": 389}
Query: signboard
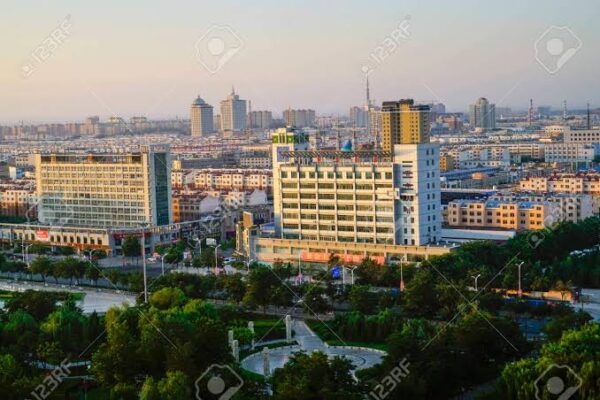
{"x": 344, "y": 258}
{"x": 42, "y": 235}
{"x": 211, "y": 241}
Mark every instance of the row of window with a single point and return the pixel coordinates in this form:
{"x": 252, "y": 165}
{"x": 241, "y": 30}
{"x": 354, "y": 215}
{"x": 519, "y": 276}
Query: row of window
{"x": 336, "y": 175}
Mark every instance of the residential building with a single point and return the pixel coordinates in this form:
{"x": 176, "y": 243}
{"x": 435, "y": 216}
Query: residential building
{"x": 403, "y": 122}
{"x": 202, "y": 118}
{"x": 234, "y": 179}
{"x": 299, "y": 118}
{"x": 582, "y": 182}
{"x": 233, "y": 114}
{"x": 359, "y": 117}
{"x": 482, "y": 114}
{"x": 500, "y": 214}
{"x": 573, "y": 207}
{"x": 260, "y": 119}
{"x": 571, "y": 152}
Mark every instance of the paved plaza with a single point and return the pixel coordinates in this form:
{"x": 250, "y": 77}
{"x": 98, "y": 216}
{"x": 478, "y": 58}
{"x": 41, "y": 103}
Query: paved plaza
{"x": 309, "y": 342}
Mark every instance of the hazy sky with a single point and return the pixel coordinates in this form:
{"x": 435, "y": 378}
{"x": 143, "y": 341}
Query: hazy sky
{"x": 139, "y": 58}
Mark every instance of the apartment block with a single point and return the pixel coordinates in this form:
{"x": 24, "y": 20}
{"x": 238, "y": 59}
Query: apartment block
{"x": 403, "y": 122}
{"x": 500, "y": 214}
{"x": 573, "y": 207}
{"x": 583, "y": 182}
{"x": 569, "y": 152}
{"x": 234, "y": 179}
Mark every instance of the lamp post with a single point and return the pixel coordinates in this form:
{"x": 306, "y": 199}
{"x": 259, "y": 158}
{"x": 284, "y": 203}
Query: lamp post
{"x": 476, "y": 277}
{"x": 520, "y": 292}
{"x": 217, "y": 259}
{"x": 401, "y": 275}
{"x": 26, "y": 254}
{"x": 162, "y": 263}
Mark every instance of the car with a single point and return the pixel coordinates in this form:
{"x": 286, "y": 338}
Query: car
{"x": 229, "y": 260}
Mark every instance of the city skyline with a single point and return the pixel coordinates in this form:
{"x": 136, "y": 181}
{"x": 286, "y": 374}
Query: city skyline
{"x": 95, "y": 68}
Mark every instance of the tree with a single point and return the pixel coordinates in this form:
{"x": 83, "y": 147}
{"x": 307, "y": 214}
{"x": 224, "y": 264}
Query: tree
{"x": 261, "y": 283}
{"x": 315, "y": 377}
{"x": 420, "y": 296}
{"x": 167, "y": 298}
{"x": 315, "y": 300}
{"x": 41, "y": 266}
{"x": 38, "y": 304}
{"x": 579, "y": 349}
{"x": 150, "y": 390}
{"x": 362, "y": 299}
{"x": 234, "y": 286}
{"x": 92, "y": 272}
{"x": 131, "y": 247}
{"x": 174, "y": 387}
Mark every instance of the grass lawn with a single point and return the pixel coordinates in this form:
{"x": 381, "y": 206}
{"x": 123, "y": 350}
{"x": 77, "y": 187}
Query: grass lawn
{"x": 269, "y": 328}
{"x": 5, "y": 295}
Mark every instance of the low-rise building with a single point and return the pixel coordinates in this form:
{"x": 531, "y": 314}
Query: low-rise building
{"x": 500, "y": 214}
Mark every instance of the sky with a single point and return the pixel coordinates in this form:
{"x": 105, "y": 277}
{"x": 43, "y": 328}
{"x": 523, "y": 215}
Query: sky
{"x": 64, "y": 60}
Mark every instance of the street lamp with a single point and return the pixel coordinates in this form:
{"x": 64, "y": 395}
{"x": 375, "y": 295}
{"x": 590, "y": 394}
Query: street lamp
{"x": 520, "y": 292}
{"x": 476, "y": 277}
{"x": 402, "y": 274}
{"x": 162, "y": 263}
{"x": 217, "y": 259}
{"x": 143, "y": 244}
{"x": 26, "y": 254}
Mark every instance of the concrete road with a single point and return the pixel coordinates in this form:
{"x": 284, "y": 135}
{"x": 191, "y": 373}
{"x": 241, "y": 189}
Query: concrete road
{"x": 94, "y": 300}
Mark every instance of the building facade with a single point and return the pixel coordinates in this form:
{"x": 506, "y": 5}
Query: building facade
{"x": 482, "y": 114}
{"x": 403, "y": 122}
{"x": 500, "y": 214}
{"x": 299, "y": 118}
{"x": 233, "y": 114}
{"x": 334, "y": 196}
{"x": 202, "y": 118}
{"x": 105, "y": 190}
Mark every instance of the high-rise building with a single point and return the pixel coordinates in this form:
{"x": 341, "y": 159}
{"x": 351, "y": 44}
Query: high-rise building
{"x": 403, "y": 122}
{"x": 362, "y": 197}
{"x": 201, "y": 117}
{"x": 482, "y": 114}
{"x": 359, "y": 116}
{"x": 105, "y": 190}
{"x": 299, "y": 118}
{"x": 260, "y": 119}
{"x": 233, "y": 114}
